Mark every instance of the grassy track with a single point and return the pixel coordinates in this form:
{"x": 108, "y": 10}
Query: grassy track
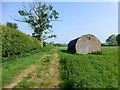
{"x": 40, "y": 70}
{"x": 12, "y": 68}
{"x": 90, "y": 71}
{"x": 45, "y": 74}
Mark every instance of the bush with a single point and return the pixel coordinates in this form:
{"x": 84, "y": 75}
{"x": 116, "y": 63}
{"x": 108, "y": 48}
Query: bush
{"x": 15, "y": 42}
{"x": 45, "y": 44}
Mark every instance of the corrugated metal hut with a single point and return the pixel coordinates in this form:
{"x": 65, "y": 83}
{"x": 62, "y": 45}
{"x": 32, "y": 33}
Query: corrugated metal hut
{"x": 84, "y": 45}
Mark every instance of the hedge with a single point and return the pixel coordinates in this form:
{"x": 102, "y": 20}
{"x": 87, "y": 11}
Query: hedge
{"x": 15, "y": 42}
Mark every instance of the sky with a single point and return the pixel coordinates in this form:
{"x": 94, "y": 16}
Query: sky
{"x": 75, "y": 19}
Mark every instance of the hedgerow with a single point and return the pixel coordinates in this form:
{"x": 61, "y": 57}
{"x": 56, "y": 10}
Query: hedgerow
{"x": 15, "y": 42}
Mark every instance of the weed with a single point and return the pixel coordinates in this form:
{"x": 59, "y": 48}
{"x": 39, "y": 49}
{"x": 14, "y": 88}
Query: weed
{"x": 47, "y": 59}
{"x": 28, "y": 76}
{"x": 44, "y": 84}
{"x": 38, "y": 75}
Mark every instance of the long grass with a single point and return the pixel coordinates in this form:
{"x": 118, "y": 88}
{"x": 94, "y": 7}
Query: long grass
{"x": 90, "y": 71}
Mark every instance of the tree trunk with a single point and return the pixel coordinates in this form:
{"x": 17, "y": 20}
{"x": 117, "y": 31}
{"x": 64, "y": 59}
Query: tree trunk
{"x": 40, "y": 38}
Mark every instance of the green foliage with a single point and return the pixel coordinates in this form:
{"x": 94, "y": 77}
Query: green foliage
{"x": 46, "y": 49}
{"x": 118, "y": 39}
{"x": 38, "y": 16}
{"x": 28, "y": 76}
{"x": 15, "y": 42}
{"x": 111, "y": 40}
{"x": 60, "y": 45}
{"x": 44, "y": 84}
{"x": 47, "y": 59}
{"x": 90, "y": 71}
{"x": 15, "y": 57}
{"x": 12, "y": 25}
{"x": 45, "y": 44}
{"x": 38, "y": 75}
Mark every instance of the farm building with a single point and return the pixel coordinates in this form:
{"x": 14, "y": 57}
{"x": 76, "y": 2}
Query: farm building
{"x": 84, "y": 45}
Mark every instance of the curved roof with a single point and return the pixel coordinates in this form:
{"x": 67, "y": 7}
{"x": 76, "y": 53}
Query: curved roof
{"x": 73, "y": 45}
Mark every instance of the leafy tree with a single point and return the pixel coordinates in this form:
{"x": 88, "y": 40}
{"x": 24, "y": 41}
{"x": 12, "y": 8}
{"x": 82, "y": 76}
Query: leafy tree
{"x": 12, "y": 25}
{"x": 38, "y": 16}
{"x": 111, "y": 40}
{"x": 118, "y": 39}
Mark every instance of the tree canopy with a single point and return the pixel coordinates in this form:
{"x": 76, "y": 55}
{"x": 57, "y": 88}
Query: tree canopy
{"x": 39, "y": 15}
{"x": 118, "y": 39}
{"x": 12, "y": 25}
{"x": 111, "y": 40}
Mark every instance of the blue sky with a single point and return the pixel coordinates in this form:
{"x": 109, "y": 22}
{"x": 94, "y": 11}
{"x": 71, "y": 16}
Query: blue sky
{"x": 77, "y": 19}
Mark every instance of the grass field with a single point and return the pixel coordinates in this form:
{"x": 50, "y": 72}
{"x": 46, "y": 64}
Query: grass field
{"x": 77, "y": 71}
{"x": 89, "y": 71}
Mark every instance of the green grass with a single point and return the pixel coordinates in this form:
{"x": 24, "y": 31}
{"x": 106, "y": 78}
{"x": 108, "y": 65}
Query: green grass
{"x": 89, "y": 71}
{"x": 47, "y": 59}
{"x": 14, "y": 57}
{"x": 28, "y": 76}
{"x": 14, "y": 67}
{"x": 25, "y": 84}
{"x": 45, "y": 84}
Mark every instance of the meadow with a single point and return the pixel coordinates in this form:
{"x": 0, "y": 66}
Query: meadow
{"x": 76, "y": 71}
{"x": 89, "y": 71}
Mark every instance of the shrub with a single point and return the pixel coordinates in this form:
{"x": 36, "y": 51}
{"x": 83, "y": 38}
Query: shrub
{"x": 45, "y": 44}
{"x": 15, "y": 42}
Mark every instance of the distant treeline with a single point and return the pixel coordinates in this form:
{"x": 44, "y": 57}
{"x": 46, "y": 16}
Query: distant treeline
{"x": 60, "y": 45}
{"x": 104, "y": 44}
{"x": 112, "y": 40}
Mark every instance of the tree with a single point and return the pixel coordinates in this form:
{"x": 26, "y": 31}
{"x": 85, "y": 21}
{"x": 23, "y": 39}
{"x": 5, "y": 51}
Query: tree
{"x": 111, "y": 40}
{"x": 38, "y": 16}
{"x": 12, "y": 25}
{"x": 118, "y": 39}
